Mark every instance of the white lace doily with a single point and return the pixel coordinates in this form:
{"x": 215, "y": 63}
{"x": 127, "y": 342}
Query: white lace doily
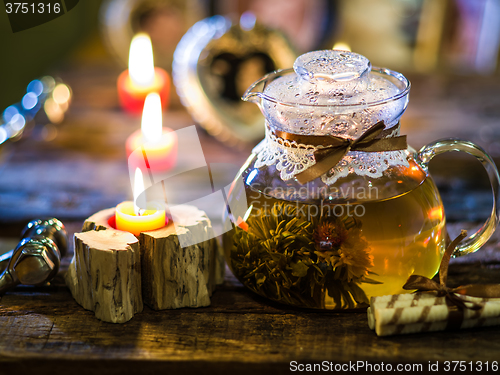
{"x": 291, "y": 158}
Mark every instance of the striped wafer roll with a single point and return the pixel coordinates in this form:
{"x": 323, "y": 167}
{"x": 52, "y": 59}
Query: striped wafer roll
{"x": 401, "y": 329}
{"x": 406, "y": 300}
{"x": 388, "y": 330}
{"x": 432, "y": 313}
{"x": 422, "y": 312}
{"x": 401, "y": 300}
{"x": 389, "y": 300}
{"x": 419, "y": 299}
{"x": 371, "y": 318}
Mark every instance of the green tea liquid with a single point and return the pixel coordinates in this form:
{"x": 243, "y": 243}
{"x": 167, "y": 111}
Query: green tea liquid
{"x": 405, "y": 235}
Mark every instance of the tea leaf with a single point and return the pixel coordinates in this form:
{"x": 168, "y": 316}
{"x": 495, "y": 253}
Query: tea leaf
{"x": 260, "y": 279}
{"x": 278, "y": 258}
{"x": 299, "y": 269}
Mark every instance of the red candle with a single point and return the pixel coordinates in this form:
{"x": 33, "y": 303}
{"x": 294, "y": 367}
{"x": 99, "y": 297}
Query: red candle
{"x": 159, "y": 145}
{"x": 142, "y": 78}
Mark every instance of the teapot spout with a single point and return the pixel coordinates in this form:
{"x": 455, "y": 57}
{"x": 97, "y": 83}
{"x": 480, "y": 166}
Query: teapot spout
{"x": 252, "y": 97}
{"x": 254, "y": 93}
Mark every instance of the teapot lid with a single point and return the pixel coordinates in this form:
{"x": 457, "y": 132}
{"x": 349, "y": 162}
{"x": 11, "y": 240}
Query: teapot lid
{"x": 331, "y": 92}
{"x": 336, "y": 94}
{"x": 331, "y": 78}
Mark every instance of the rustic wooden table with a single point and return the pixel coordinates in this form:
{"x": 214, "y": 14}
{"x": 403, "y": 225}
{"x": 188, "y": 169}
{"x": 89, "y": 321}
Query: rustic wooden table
{"x": 44, "y": 331}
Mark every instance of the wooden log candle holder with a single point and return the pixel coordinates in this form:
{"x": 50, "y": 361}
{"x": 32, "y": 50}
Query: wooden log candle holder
{"x": 113, "y": 272}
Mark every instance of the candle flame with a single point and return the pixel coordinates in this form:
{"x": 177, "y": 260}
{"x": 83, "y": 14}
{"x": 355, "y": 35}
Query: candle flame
{"x": 138, "y": 190}
{"x": 341, "y": 46}
{"x": 140, "y": 61}
{"x": 151, "y": 124}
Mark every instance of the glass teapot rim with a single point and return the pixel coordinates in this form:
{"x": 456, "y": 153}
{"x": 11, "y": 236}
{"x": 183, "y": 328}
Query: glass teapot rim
{"x": 253, "y": 96}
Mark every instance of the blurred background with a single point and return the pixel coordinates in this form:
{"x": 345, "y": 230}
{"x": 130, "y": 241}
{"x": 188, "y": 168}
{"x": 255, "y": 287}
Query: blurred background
{"x": 449, "y": 49}
{"x": 426, "y": 36}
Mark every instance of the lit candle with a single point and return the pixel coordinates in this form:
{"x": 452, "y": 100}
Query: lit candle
{"x": 142, "y": 77}
{"x": 158, "y": 144}
{"x": 130, "y": 218}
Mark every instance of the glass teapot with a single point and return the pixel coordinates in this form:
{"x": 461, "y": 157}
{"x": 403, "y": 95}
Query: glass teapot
{"x": 333, "y": 207}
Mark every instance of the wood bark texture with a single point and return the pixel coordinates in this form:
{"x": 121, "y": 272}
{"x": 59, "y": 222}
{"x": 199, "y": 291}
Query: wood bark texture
{"x": 180, "y": 264}
{"x": 105, "y": 274}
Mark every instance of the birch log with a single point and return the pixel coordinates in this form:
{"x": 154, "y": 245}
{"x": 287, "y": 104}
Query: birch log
{"x": 181, "y": 263}
{"x": 104, "y": 275}
{"x": 99, "y": 221}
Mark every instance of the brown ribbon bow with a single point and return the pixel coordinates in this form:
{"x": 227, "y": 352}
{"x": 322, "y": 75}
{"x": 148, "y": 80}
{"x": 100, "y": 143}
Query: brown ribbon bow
{"x": 422, "y": 283}
{"x": 335, "y": 148}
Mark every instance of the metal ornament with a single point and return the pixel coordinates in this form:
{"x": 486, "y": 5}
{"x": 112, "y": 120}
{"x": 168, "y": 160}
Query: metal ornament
{"x": 215, "y": 62}
{"x": 51, "y": 228}
{"x": 37, "y": 257}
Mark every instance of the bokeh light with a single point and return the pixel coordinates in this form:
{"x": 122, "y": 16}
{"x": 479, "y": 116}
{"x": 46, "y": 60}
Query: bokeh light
{"x": 36, "y": 87}
{"x": 29, "y": 101}
{"x": 61, "y": 94}
{"x": 53, "y": 111}
{"x": 10, "y": 112}
{"x": 48, "y": 84}
{"x": 17, "y": 122}
{"x": 3, "y": 135}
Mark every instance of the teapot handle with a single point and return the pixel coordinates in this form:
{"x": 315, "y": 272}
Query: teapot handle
{"x": 425, "y": 155}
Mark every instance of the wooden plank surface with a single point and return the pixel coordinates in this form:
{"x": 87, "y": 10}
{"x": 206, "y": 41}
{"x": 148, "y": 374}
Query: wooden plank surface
{"x": 45, "y": 324}
{"x": 83, "y": 170}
